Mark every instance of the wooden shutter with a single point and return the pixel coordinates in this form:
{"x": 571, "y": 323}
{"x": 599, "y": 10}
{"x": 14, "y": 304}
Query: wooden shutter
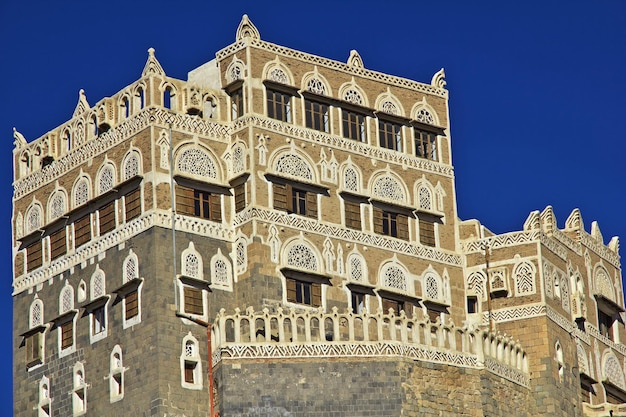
{"x": 291, "y": 290}
{"x": 190, "y": 367}
{"x": 311, "y": 205}
{"x": 67, "y": 334}
{"x": 352, "y": 214}
{"x": 33, "y": 349}
{"x": 82, "y": 231}
{"x": 58, "y": 244}
{"x": 193, "y": 300}
{"x": 378, "y": 220}
{"x": 185, "y": 201}
{"x": 281, "y": 200}
{"x": 316, "y": 294}
{"x": 107, "y": 218}
{"x": 402, "y": 226}
{"x": 131, "y": 304}
{"x": 132, "y": 204}
{"x": 240, "y": 197}
{"x": 427, "y": 233}
{"x": 215, "y": 207}
{"x": 34, "y": 257}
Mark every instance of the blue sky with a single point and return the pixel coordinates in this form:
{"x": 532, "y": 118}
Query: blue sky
{"x": 537, "y": 88}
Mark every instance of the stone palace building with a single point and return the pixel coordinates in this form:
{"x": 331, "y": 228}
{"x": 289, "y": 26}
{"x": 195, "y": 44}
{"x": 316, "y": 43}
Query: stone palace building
{"x": 278, "y": 236}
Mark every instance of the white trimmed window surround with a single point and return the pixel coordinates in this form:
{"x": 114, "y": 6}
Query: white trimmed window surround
{"x": 44, "y": 404}
{"x": 131, "y": 311}
{"x": 116, "y": 375}
{"x": 79, "y": 390}
{"x": 190, "y": 364}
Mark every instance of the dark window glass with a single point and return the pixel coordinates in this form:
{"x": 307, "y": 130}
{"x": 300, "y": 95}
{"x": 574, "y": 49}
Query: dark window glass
{"x": 390, "y": 135}
{"x": 198, "y": 203}
{"x": 353, "y": 125}
{"x": 279, "y": 105}
{"x": 605, "y": 322}
{"x": 309, "y": 293}
{"x": 99, "y": 320}
{"x": 472, "y": 305}
{"x": 316, "y": 115}
{"x": 358, "y": 302}
{"x": 236, "y": 102}
{"x": 425, "y": 145}
{"x": 397, "y": 306}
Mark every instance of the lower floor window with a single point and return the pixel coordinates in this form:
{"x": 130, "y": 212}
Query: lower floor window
{"x": 472, "y": 304}
{"x": 427, "y": 233}
{"x": 302, "y": 292}
{"x": 358, "y": 302}
{"x": 67, "y": 335}
{"x": 34, "y": 351}
{"x": 193, "y": 301}
{"x": 99, "y": 320}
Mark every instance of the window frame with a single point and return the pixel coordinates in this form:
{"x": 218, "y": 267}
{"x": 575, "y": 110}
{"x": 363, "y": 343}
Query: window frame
{"x": 285, "y": 191}
{"x": 354, "y": 125}
{"x": 390, "y": 135}
{"x": 237, "y": 104}
{"x": 317, "y": 118}
{"x": 304, "y": 288}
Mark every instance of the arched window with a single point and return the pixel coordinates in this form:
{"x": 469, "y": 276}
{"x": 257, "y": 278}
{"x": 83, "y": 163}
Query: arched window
{"x": 35, "y": 316}
{"x": 79, "y": 392}
{"x": 98, "y": 306}
{"x": 33, "y": 218}
{"x": 316, "y": 86}
{"x": 125, "y": 108}
{"x": 81, "y": 192}
{"x": 241, "y": 255}
{"x": 394, "y": 277}
{"x": 425, "y": 198}
{"x": 169, "y": 98}
{"x": 221, "y": 272}
{"x": 43, "y": 405}
{"x": 131, "y": 166}
{"x": 190, "y": 364}
{"x": 116, "y": 375}
{"x": 139, "y": 99}
{"x": 353, "y": 96}
{"x": 559, "y": 360}
{"x": 351, "y": 181}
{"x": 57, "y": 205}
{"x": 66, "y": 328}
{"x": 433, "y": 287}
{"x": 192, "y": 263}
{"x": 301, "y": 256}
{"x": 106, "y": 179}
{"x": 356, "y": 268}
{"x": 524, "y": 276}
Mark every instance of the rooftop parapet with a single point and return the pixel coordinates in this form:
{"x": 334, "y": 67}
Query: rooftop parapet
{"x": 294, "y": 334}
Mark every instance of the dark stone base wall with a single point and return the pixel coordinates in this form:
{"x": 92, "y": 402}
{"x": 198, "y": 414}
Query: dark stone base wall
{"x": 363, "y": 387}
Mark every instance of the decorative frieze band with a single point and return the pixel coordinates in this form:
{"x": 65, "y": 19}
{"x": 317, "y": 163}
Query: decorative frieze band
{"x": 118, "y": 236}
{"x": 507, "y": 372}
{"x": 595, "y": 333}
{"x": 573, "y": 245}
{"x": 553, "y": 246}
{"x": 349, "y": 145}
{"x": 370, "y": 239}
{"x": 599, "y": 248}
{"x": 500, "y": 241}
{"x": 514, "y": 313}
{"x": 336, "y": 65}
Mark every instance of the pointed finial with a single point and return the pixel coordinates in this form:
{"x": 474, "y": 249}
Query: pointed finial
{"x": 152, "y": 67}
{"x": 354, "y": 60}
{"x": 18, "y": 139}
{"x": 82, "y": 105}
{"x": 438, "y": 79}
{"x": 246, "y": 29}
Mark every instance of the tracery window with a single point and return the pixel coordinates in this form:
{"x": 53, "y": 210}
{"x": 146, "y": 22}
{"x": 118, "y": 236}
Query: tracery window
{"x": 394, "y": 277}
{"x": 106, "y": 179}
{"x": 302, "y": 257}
{"x": 43, "y": 405}
{"x": 196, "y": 162}
{"x": 316, "y": 86}
{"x": 33, "y": 219}
{"x": 356, "y": 267}
{"x": 389, "y": 107}
{"x": 295, "y": 166}
{"x": 389, "y": 188}
{"x": 351, "y": 180}
{"x": 279, "y": 76}
{"x": 81, "y": 192}
{"x": 278, "y": 105}
{"x": 57, "y": 205}
{"x": 425, "y": 198}
{"x": 524, "y": 274}
{"x": 353, "y": 96}
{"x": 424, "y": 116}
{"x": 221, "y": 271}
{"x": 131, "y": 166}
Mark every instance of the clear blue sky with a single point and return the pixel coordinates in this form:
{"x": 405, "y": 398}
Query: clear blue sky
{"x": 537, "y": 88}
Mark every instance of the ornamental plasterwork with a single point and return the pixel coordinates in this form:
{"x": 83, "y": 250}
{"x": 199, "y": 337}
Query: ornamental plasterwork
{"x": 191, "y": 263}
{"x": 294, "y": 166}
{"x": 583, "y": 363}
{"x": 57, "y": 205}
{"x": 130, "y": 268}
{"x": 476, "y": 284}
{"x": 424, "y": 116}
{"x": 66, "y": 299}
{"x": 301, "y": 256}
{"x": 278, "y": 75}
{"x": 36, "y": 313}
{"x": 328, "y": 254}
{"x": 524, "y": 277}
{"x": 196, "y": 162}
{"x": 97, "y": 284}
{"x": 599, "y": 248}
{"x": 499, "y": 241}
{"x": 602, "y": 283}
{"x": 106, "y": 178}
{"x": 81, "y": 192}
{"x": 241, "y": 254}
{"x": 394, "y": 276}
{"x": 389, "y": 107}
{"x": 130, "y": 165}
{"x": 122, "y": 234}
{"x": 336, "y": 65}
{"x": 19, "y": 225}
{"x": 425, "y": 198}
{"x": 221, "y": 272}
{"x": 612, "y": 370}
{"x": 234, "y": 71}
{"x": 239, "y": 159}
{"x": 247, "y": 30}
{"x": 357, "y": 268}
{"x": 389, "y": 188}
{"x": 316, "y": 86}
{"x": 368, "y": 239}
{"x": 340, "y": 267}
{"x": 498, "y": 278}
{"x": 353, "y": 96}
{"x": 565, "y": 291}
{"x": 515, "y": 313}
{"x": 34, "y": 218}
{"x": 164, "y": 146}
